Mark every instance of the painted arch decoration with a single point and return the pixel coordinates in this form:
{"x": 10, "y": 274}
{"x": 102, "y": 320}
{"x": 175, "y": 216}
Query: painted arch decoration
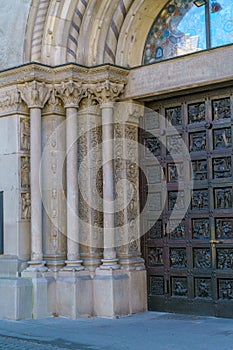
{"x": 182, "y": 28}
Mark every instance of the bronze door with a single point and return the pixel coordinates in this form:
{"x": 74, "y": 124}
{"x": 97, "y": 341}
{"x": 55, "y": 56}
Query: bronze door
{"x": 188, "y": 245}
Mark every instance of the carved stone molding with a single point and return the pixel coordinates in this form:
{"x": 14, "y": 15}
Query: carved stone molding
{"x": 34, "y": 94}
{"x": 10, "y": 102}
{"x": 71, "y": 93}
{"x": 107, "y": 91}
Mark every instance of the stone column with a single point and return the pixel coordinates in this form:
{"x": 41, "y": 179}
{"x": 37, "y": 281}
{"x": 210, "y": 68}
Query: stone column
{"x": 35, "y": 95}
{"x": 54, "y": 183}
{"x": 90, "y": 184}
{"x": 127, "y": 184}
{"x": 71, "y": 94}
{"x": 106, "y": 94}
{"x": 128, "y": 199}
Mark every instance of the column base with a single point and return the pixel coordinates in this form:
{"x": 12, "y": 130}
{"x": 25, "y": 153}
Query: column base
{"x": 110, "y": 264}
{"x": 73, "y": 265}
{"x": 36, "y": 265}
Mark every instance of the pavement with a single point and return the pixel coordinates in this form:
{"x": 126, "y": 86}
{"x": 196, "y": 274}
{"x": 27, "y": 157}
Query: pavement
{"x": 150, "y": 330}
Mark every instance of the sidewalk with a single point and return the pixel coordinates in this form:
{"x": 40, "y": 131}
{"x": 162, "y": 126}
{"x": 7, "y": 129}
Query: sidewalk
{"x": 148, "y": 331}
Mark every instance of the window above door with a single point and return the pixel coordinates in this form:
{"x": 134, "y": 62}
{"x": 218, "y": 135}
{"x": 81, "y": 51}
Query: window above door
{"x": 182, "y": 28}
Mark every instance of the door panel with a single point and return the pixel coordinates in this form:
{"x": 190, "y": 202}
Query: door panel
{"x": 189, "y": 250}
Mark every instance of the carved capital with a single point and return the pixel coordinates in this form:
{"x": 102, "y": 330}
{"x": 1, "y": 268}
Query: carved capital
{"x": 106, "y": 91}
{"x": 72, "y": 93}
{"x": 34, "y": 94}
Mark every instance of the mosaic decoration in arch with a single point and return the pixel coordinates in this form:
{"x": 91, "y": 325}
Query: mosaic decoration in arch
{"x": 181, "y": 28}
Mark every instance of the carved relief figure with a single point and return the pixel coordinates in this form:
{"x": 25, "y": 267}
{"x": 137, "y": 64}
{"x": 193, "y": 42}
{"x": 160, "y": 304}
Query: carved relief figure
{"x": 222, "y": 167}
{"x": 180, "y": 288}
{"x": 226, "y": 289}
{"x": 224, "y": 228}
{"x": 201, "y": 228}
{"x": 221, "y": 109}
{"x": 202, "y": 258}
{"x": 26, "y": 206}
{"x": 178, "y": 257}
{"x": 156, "y": 230}
{"x": 176, "y": 200}
{"x": 25, "y": 134}
{"x": 176, "y": 229}
{"x": 197, "y": 142}
{"x": 174, "y": 115}
{"x": 196, "y": 112}
{"x": 199, "y": 168}
{"x": 203, "y": 288}
{"x": 223, "y": 198}
{"x": 222, "y": 138}
{"x": 155, "y": 256}
{"x": 200, "y": 199}
{"x": 25, "y": 172}
{"x": 224, "y": 259}
{"x": 153, "y": 145}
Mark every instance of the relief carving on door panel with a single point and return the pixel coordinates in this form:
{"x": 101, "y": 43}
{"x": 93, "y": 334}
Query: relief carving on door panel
{"x": 176, "y": 229}
{"x": 179, "y": 287}
{"x": 224, "y": 228}
{"x": 225, "y": 289}
{"x": 196, "y": 112}
{"x": 155, "y": 256}
{"x": 199, "y": 169}
{"x": 174, "y": 115}
{"x": 178, "y": 257}
{"x": 224, "y": 259}
{"x": 200, "y": 228}
{"x": 197, "y": 141}
{"x": 221, "y": 109}
{"x": 202, "y": 287}
{"x": 223, "y": 198}
{"x": 201, "y": 258}
{"x": 200, "y": 199}
{"x": 222, "y": 168}
{"x": 222, "y": 138}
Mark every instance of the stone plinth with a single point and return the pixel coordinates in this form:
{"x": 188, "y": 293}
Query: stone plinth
{"x": 111, "y": 293}
{"x": 15, "y": 298}
{"x": 74, "y": 294}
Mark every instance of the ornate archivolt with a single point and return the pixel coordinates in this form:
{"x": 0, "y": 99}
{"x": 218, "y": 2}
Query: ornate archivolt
{"x": 89, "y": 32}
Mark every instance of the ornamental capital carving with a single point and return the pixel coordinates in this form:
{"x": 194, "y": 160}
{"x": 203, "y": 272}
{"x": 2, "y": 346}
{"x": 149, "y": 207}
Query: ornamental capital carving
{"x": 71, "y": 93}
{"x": 34, "y": 94}
{"x": 107, "y": 91}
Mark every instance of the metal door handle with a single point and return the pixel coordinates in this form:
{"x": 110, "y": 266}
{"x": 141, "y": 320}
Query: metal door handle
{"x": 214, "y": 241}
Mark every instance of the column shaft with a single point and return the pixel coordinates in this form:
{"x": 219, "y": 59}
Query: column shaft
{"x": 36, "y": 203}
{"x": 108, "y": 186}
{"x": 73, "y": 254}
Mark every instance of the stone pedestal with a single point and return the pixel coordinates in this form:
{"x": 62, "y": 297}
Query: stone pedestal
{"x": 111, "y": 293}
{"x": 16, "y": 298}
{"x": 137, "y": 291}
{"x": 43, "y": 293}
{"x": 74, "y": 294}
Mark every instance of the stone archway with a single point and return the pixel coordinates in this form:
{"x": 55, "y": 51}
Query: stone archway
{"x": 89, "y": 32}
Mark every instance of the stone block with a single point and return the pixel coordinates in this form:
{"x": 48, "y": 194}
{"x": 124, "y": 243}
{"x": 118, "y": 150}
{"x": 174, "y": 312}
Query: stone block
{"x": 111, "y": 293}
{"x": 15, "y": 298}
{"x": 74, "y": 294}
{"x": 137, "y": 291}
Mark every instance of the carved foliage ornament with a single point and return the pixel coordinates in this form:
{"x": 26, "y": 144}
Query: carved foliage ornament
{"x": 34, "y": 94}
{"x": 106, "y": 91}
